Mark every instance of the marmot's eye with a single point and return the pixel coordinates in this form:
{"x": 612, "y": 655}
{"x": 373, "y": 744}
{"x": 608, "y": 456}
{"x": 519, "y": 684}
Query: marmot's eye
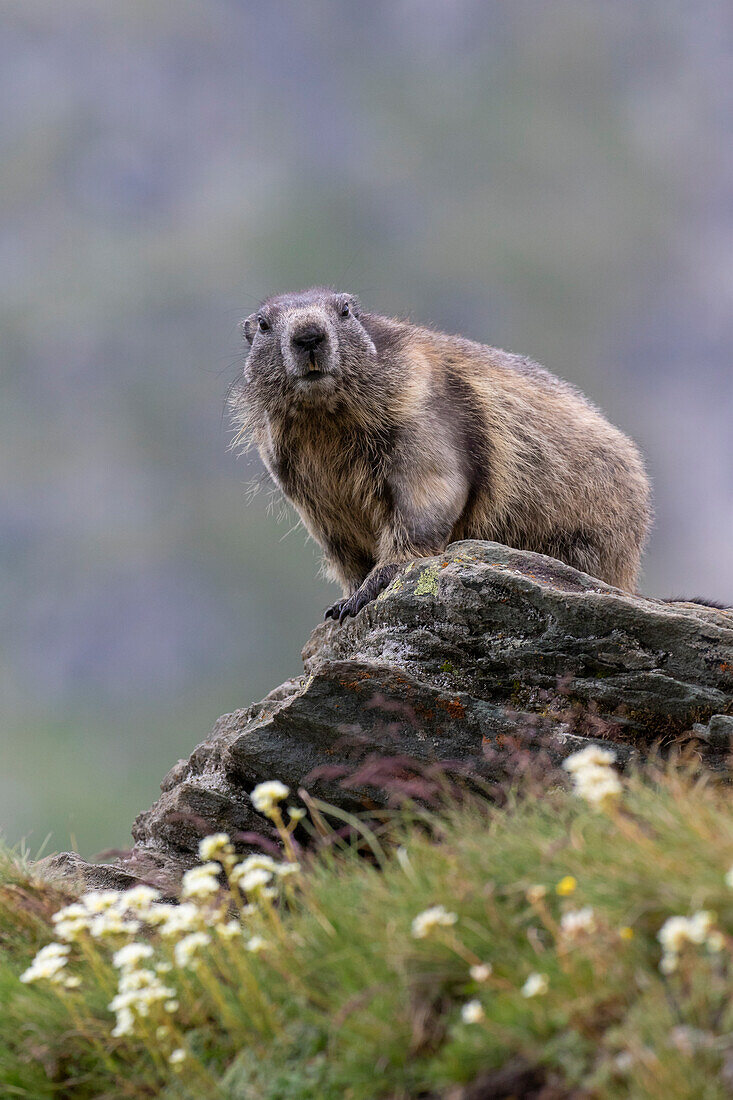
{"x": 345, "y": 311}
{"x": 262, "y": 324}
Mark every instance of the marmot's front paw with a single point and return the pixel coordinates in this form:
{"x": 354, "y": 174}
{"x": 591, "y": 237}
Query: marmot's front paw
{"x": 375, "y": 583}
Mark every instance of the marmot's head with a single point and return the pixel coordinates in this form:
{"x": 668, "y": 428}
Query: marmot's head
{"x": 307, "y": 348}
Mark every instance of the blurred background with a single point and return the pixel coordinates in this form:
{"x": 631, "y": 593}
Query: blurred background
{"x": 551, "y": 176}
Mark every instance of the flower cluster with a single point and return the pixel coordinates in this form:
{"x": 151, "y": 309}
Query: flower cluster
{"x": 472, "y": 1012}
{"x": 139, "y": 989}
{"x": 201, "y": 881}
{"x": 265, "y": 796}
{"x": 427, "y": 921}
{"x": 678, "y": 932}
{"x": 48, "y": 964}
{"x": 536, "y": 985}
{"x": 218, "y": 846}
{"x": 577, "y": 922}
{"x": 594, "y": 777}
{"x": 104, "y": 913}
{"x": 145, "y": 999}
{"x": 186, "y": 949}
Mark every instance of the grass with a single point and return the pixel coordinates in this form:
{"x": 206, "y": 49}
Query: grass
{"x": 344, "y": 1001}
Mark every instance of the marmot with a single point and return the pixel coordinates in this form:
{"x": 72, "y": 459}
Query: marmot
{"x": 393, "y": 440}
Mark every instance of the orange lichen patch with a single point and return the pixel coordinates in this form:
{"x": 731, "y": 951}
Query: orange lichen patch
{"x": 725, "y": 667}
{"x": 355, "y": 683}
{"x": 403, "y": 682}
{"x": 454, "y": 707}
{"x": 425, "y": 713}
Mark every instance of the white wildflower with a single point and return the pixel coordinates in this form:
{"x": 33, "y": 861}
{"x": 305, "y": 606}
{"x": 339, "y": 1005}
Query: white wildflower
{"x": 132, "y": 980}
{"x": 599, "y": 787}
{"x": 159, "y": 912}
{"x": 578, "y": 921}
{"x": 125, "y": 1024}
{"x": 215, "y": 845}
{"x": 674, "y": 933}
{"x": 70, "y": 912}
{"x": 171, "y": 1006}
{"x": 729, "y": 878}
{"x": 253, "y": 881}
{"x": 266, "y": 796}
{"x": 701, "y": 924}
{"x": 594, "y": 779}
{"x": 129, "y": 956}
{"x": 138, "y": 991}
{"x": 111, "y": 923}
{"x": 472, "y": 1012}
{"x": 99, "y": 901}
{"x": 296, "y": 813}
{"x": 252, "y": 863}
{"x": 48, "y": 964}
{"x": 53, "y": 951}
{"x": 72, "y": 982}
{"x": 430, "y": 919}
{"x": 201, "y": 882}
{"x": 481, "y": 972}
{"x": 592, "y": 756}
{"x": 678, "y": 931}
{"x": 71, "y": 922}
{"x": 229, "y": 930}
{"x": 536, "y": 985}
{"x": 282, "y": 870}
{"x": 178, "y": 919}
{"x": 71, "y": 930}
{"x": 186, "y": 948}
{"x": 256, "y": 944}
{"x": 177, "y": 1056}
{"x": 139, "y": 898}
{"x": 669, "y": 962}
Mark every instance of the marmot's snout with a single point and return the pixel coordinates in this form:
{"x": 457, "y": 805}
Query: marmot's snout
{"x": 309, "y": 344}
{"x": 309, "y": 347}
{"x": 309, "y": 337}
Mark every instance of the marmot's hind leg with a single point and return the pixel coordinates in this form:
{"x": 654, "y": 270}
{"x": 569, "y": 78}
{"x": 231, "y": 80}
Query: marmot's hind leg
{"x": 582, "y": 551}
{"x": 602, "y": 558}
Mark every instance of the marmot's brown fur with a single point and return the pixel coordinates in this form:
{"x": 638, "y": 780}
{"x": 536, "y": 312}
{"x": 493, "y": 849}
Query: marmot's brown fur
{"x": 393, "y": 440}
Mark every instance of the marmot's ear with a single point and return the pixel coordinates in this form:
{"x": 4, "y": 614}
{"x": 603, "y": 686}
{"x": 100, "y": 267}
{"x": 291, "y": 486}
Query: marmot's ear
{"x": 248, "y": 328}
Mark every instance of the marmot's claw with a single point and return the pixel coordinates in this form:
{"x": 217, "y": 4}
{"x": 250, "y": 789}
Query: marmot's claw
{"x": 334, "y": 610}
{"x": 353, "y": 605}
{"x": 347, "y": 609}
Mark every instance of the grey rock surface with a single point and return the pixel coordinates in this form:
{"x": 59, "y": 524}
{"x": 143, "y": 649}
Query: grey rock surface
{"x": 465, "y": 656}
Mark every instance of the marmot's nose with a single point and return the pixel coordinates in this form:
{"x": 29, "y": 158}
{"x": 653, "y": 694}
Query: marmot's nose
{"x": 309, "y": 338}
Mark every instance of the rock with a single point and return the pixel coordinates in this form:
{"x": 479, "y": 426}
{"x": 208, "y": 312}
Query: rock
{"x": 465, "y": 657}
